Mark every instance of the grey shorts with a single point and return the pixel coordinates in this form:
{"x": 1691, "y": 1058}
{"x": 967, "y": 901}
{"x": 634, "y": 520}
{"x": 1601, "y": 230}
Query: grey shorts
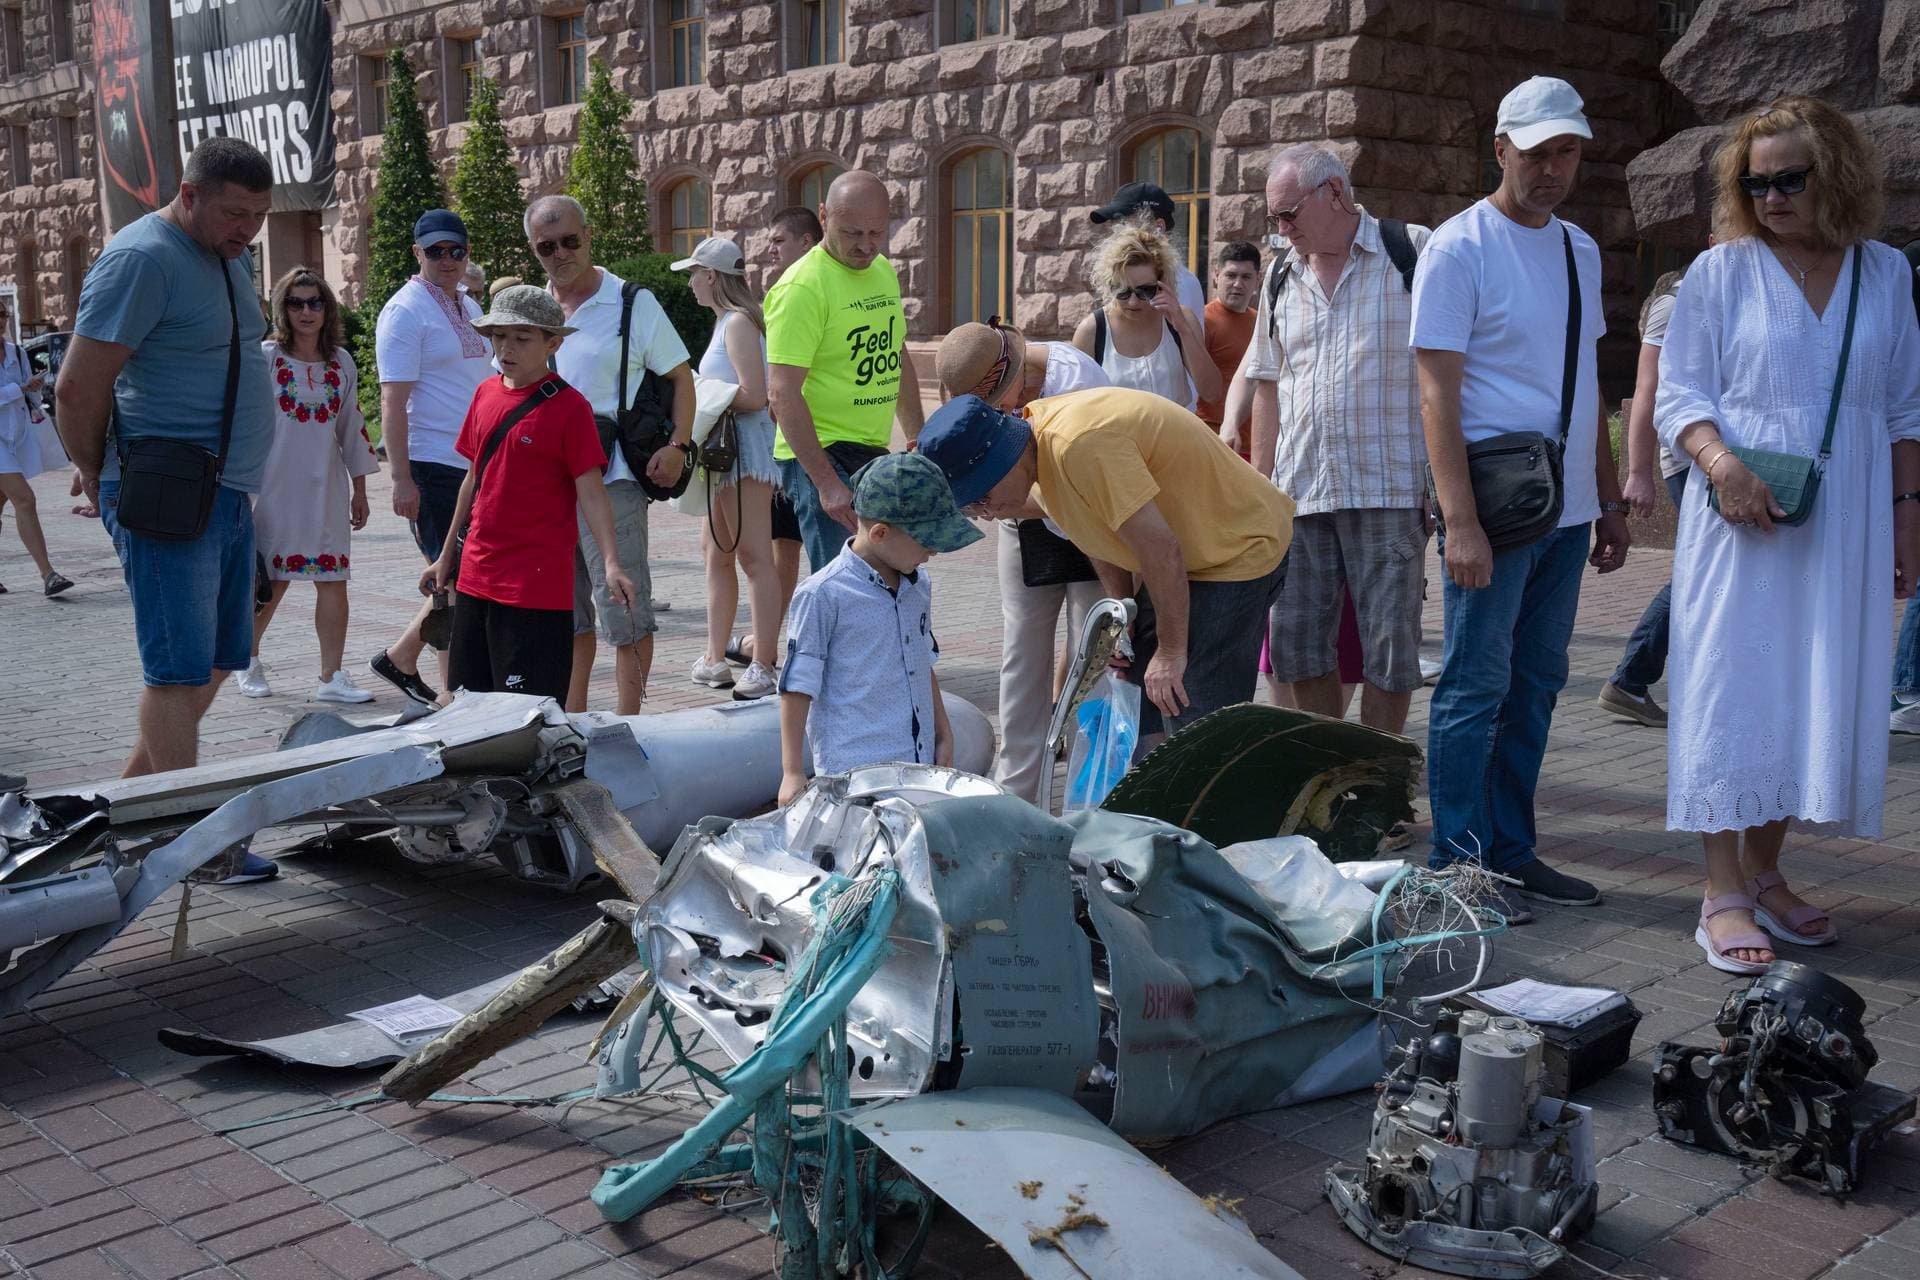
{"x": 618, "y": 625}
{"x": 1380, "y": 554}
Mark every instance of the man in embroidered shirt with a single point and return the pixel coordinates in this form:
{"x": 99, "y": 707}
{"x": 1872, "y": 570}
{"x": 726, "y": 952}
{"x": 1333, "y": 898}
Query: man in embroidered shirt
{"x": 430, "y": 362}
{"x": 858, "y": 683}
{"x": 1336, "y": 423}
{"x": 558, "y": 233}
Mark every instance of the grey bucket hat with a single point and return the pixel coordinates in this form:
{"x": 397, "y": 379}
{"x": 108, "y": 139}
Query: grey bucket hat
{"x": 526, "y": 304}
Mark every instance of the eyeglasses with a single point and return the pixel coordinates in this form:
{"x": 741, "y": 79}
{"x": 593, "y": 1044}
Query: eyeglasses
{"x": 1145, "y": 292}
{"x": 1788, "y": 182}
{"x": 547, "y": 248}
{"x": 1287, "y": 217}
{"x": 458, "y": 252}
{"x": 306, "y": 304}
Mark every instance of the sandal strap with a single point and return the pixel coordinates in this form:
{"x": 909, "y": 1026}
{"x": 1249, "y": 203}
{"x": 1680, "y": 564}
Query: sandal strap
{"x": 1744, "y": 941}
{"x": 1764, "y": 881}
{"x": 1711, "y": 906}
{"x": 1797, "y": 918}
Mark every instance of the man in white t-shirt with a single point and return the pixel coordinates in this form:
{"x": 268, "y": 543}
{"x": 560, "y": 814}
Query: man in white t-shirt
{"x": 1502, "y": 341}
{"x": 430, "y": 362}
{"x": 589, "y": 360}
{"x": 1005, "y": 370}
{"x": 1145, "y": 197}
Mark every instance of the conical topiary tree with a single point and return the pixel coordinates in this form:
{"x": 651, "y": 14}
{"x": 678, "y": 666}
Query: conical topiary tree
{"x": 603, "y": 177}
{"x": 406, "y": 187}
{"x": 486, "y": 192}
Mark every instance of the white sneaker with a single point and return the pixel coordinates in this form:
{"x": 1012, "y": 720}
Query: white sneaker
{"x": 252, "y": 683}
{"x": 1430, "y": 669}
{"x": 714, "y": 675}
{"x": 1905, "y": 717}
{"x": 755, "y": 682}
{"x": 340, "y": 689}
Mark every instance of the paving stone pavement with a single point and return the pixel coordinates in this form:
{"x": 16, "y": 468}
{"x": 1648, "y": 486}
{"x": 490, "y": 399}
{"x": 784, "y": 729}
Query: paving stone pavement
{"x": 110, "y": 1166}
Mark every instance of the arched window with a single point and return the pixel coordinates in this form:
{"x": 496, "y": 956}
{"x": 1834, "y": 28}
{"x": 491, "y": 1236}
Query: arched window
{"x": 810, "y": 188}
{"x": 689, "y": 216}
{"x": 980, "y": 229}
{"x": 1180, "y": 162}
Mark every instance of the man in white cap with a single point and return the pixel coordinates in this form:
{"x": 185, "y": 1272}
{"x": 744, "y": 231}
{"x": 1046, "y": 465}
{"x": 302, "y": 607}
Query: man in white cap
{"x": 1506, "y": 314}
{"x": 590, "y": 361}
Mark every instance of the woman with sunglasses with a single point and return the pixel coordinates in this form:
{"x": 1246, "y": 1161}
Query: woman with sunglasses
{"x": 1796, "y": 329}
{"x": 20, "y": 454}
{"x": 1139, "y": 333}
{"x": 314, "y": 492}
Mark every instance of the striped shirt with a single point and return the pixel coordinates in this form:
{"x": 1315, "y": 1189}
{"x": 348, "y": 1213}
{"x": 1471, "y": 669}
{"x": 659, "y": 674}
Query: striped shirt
{"x": 1350, "y": 432}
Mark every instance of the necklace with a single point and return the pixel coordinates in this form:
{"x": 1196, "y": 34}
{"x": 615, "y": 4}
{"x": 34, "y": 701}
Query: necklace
{"x": 1798, "y": 270}
{"x": 327, "y": 409}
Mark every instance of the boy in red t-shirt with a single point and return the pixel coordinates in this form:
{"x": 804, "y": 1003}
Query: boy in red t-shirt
{"x": 513, "y": 603}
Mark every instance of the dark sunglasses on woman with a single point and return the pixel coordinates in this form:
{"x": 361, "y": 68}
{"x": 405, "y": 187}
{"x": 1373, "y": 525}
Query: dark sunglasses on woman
{"x": 1145, "y": 292}
{"x": 306, "y": 304}
{"x": 1788, "y": 182}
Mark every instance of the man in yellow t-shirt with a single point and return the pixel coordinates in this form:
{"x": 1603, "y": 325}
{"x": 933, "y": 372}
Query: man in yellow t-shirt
{"x": 1167, "y": 513}
{"x": 837, "y": 363}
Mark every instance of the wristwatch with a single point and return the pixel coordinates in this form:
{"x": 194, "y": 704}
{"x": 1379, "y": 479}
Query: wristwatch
{"x": 682, "y": 445}
{"x": 1616, "y": 504}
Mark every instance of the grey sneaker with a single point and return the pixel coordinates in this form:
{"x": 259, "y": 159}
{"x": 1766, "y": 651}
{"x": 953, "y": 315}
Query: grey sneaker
{"x": 1538, "y": 880}
{"x": 755, "y": 682}
{"x": 1905, "y": 717}
{"x": 714, "y": 675}
{"x": 1642, "y": 708}
{"x": 252, "y": 683}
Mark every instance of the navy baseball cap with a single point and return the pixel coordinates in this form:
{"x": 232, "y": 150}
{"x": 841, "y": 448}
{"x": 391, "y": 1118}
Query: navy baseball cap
{"x": 1132, "y": 198}
{"x": 437, "y": 226}
{"x": 975, "y": 444}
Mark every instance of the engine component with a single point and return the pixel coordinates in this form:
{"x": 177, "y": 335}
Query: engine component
{"x": 1787, "y": 1088}
{"x": 1469, "y": 1170}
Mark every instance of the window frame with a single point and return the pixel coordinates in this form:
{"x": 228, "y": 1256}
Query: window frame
{"x": 807, "y": 172}
{"x": 462, "y": 76}
{"x": 66, "y": 146}
{"x": 669, "y": 197}
{"x": 13, "y": 34}
{"x": 376, "y": 73}
{"x": 960, "y": 225}
{"x": 561, "y": 89}
{"x": 20, "y": 147}
{"x": 694, "y": 28}
{"x": 1194, "y": 253}
{"x": 61, "y": 18}
{"x": 950, "y": 21}
{"x": 800, "y": 48}
{"x": 1133, "y": 9}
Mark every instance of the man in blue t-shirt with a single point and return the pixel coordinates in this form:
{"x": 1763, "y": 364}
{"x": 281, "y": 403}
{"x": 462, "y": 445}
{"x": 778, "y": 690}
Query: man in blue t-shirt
{"x": 165, "y": 312}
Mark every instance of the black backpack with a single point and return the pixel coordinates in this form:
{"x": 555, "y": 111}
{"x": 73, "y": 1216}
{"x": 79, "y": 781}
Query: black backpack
{"x": 1400, "y": 252}
{"x": 645, "y": 423}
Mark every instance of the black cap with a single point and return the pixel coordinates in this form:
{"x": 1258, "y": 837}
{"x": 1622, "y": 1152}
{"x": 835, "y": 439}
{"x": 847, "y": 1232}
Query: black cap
{"x": 437, "y": 226}
{"x": 1134, "y": 197}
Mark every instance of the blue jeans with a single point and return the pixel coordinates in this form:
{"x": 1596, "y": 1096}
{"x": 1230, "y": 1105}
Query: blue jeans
{"x": 1645, "y": 660}
{"x": 1906, "y": 653}
{"x": 192, "y": 600}
{"x": 820, "y": 533}
{"x": 1504, "y": 665}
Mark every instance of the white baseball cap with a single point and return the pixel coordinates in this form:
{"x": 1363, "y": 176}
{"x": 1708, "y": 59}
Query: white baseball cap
{"x": 1541, "y": 108}
{"x": 717, "y": 252}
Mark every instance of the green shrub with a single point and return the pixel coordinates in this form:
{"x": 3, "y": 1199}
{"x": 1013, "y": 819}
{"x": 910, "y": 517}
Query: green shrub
{"x": 693, "y": 322}
{"x": 604, "y": 175}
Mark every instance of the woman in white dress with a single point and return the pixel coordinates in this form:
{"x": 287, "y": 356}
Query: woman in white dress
{"x": 20, "y": 455}
{"x": 1781, "y": 637}
{"x": 738, "y": 528}
{"x": 1140, "y": 335}
{"x": 314, "y": 492}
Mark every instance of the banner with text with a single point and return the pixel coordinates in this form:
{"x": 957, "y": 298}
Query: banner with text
{"x": 260, "y": 70}
{"x": 137, "y": 169}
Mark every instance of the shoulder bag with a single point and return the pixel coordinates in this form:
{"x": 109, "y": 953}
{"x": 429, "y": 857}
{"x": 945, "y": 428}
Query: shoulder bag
{"x": 644, "y": 425}
{"x": 167, "y": 487}
{"x": 1518, "y": 488}
{"x": 1794, "y": 480}
{"x": 547, "y": 390}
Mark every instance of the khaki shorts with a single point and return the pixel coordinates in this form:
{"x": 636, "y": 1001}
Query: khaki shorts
{"x": 617, "y": 625}
{"x": 1380, "y": 554}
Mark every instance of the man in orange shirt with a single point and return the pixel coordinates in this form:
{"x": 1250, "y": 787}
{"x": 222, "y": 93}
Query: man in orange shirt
{"x": 1229, "y": 322}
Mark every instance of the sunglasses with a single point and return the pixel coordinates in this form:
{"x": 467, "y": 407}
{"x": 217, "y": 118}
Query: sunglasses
{"x": 1287, "y": 217}
{"x": 458, "y": 252}
{"x": 547, "y": 248}
{"x": 1145, "y": 292}
{"x": 306, "y": 304}
{"x": 1788, "y": 182}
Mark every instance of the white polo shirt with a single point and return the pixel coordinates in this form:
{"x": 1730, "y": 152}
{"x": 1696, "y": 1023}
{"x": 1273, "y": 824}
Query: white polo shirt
{"x": 415, "y": 341}
{"x": 590, "y": 359}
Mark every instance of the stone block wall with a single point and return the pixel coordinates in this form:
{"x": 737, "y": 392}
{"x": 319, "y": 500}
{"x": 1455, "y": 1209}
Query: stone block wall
{"x": 44, "y": 223}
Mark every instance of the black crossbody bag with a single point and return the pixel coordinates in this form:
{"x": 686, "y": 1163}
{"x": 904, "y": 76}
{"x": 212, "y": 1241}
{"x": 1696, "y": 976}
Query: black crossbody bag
{"x": 1518, "y": 485}
{"x": 167, "y": 487}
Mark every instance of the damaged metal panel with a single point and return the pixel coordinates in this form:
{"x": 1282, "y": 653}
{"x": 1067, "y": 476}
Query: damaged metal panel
{"x": 1064, "y": 1196}
{"x": 1249, "y": 772}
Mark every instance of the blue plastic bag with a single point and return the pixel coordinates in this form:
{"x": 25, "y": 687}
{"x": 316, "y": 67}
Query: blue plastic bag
{"x": 1109, "y": 724}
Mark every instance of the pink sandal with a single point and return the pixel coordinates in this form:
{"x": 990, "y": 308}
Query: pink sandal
{"x": 1788, "y": 930}
{"x": 1750, "y": 941}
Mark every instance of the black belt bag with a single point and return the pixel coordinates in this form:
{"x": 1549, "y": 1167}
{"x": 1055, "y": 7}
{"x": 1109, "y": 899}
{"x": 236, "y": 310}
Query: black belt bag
{"x": 167, "y": 487}
{"x": 1519, "y": 489}
{"x": 1048, "y": 560}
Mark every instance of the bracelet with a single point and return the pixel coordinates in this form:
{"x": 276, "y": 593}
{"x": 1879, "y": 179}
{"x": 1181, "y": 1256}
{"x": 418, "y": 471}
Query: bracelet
{"x": 1703, "y": 448}
{"x": 1911, "y": 495}
{"x": 1723, "y": 456}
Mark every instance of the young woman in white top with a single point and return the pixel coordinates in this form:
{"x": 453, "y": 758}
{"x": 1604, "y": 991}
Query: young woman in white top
{"x": 1140, "y": 334}
{"x": 20, "y": 390}
{"x": 739, "y": 525}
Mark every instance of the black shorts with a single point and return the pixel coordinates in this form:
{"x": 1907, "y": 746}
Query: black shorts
{"x": 439, "y": 486}
{"x": 1225, "y": 621}
{"x": 786, "y": 524}
{"x": 498, "y": 648}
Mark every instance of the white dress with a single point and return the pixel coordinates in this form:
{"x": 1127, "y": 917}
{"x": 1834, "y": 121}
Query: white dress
{"x": 19, "y": 440}
{"x": 1781, "y": 660}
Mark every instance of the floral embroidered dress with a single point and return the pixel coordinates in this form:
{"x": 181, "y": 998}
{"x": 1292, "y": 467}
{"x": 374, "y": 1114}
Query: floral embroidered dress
{"x": 301, "y": 518}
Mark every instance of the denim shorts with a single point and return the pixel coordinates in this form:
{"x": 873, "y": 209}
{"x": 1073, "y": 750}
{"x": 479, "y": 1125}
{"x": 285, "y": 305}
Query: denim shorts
{"x": 192, "y": 601}
{"x": 439, "y": 486}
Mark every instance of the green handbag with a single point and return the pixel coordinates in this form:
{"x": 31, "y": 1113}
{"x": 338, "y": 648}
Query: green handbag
{"x": 1793, "y": 480}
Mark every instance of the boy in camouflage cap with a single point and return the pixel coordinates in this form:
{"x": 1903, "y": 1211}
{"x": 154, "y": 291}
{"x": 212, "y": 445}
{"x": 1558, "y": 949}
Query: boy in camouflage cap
{"x": 858, "y": 686}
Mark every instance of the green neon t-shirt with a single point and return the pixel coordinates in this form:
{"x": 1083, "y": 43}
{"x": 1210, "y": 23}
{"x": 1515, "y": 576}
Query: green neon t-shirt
{"x": 846, "y": 329}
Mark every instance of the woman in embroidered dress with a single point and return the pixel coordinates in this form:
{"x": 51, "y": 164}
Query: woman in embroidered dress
{"x": 20, "y": 460}
{"x": 1780, "y": 665}
{"x": 315, "y": 488}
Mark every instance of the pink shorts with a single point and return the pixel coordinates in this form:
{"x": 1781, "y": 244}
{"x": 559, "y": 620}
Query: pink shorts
{"x": 1352, "y": 658}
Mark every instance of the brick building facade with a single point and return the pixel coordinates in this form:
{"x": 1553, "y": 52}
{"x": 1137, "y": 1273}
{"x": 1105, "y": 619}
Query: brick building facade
{"x": 998, "y": 123}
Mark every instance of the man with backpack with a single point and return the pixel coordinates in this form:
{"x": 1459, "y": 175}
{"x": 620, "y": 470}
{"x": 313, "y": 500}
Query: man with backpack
{"x": 623, "y": 353}
{"x": 1336, "y": 423}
